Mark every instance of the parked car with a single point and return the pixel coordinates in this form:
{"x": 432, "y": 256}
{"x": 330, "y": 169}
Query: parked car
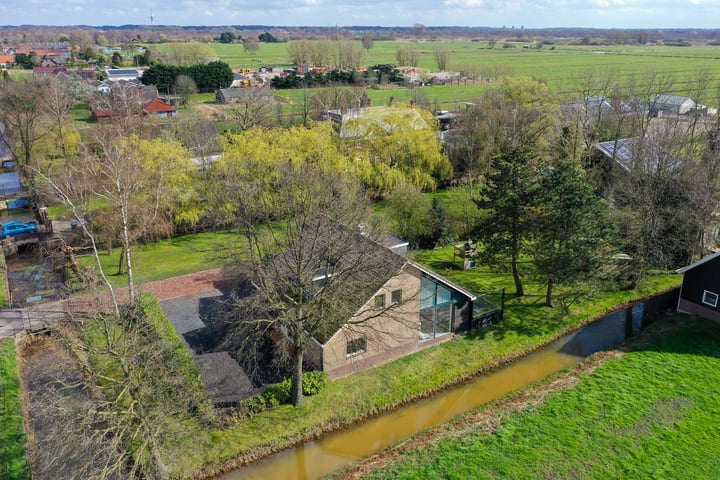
{"x": 12, "y": 229}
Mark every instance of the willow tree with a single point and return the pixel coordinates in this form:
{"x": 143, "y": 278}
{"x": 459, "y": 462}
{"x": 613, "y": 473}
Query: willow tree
{"x": 143, "y": 187}
{"x": 257, "y": 156}
{"x": 395, "y": 145}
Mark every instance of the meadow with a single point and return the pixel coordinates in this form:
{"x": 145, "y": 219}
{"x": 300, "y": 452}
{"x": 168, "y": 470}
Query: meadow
{"x": 564, "y": 67}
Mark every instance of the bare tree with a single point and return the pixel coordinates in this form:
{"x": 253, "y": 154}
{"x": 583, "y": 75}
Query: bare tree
{"x": 185, "y": 86}
{"x": 312, "y": 268}
{"x": 250, "y": 44}
{"x": 367, "y": 41}
{"x": 57, "y": 102}
{"x": 253, "y": 109}
{"x": 442, "y": 56}
{"x": 109, "y": 398}
{"x": 407, "y": 56}
{"x": 22, "y": 113}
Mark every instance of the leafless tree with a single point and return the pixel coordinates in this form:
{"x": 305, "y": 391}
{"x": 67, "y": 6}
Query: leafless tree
{"x": 311, "y": 269}
{"x": 367, "y": 41}
{"x": 253, "y": 109}
{"x": 250, "y": 44}
{"x": 185, "y": 86}
{"x": 22, "y": 113}
{"x": 57, "y": 102}
{"x": 442, "y": 56}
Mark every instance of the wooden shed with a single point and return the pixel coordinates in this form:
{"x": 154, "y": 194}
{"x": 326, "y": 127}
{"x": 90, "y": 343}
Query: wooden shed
{"x": 700, "y": 290}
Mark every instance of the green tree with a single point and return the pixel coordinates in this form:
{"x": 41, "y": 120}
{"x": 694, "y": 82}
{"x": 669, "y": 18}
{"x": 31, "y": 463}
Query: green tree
{"x": 227, "y": 37}
{"x": 410, "y": 212}
{"x": 117, "y": 60}
{"x": 524, "y": 113}
{"x": 267, "y": 37}
{"x": 398, "y": 144}
{"x": 570, "y": 229}
{"x": 508, "y": 199}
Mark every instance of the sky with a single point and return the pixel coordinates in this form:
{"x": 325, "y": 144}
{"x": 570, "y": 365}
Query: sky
{"x": 328, "y": 13}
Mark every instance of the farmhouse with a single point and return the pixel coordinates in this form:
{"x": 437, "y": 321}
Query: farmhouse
{"x": 359, "y": 122}
{"x": 665, "y": 104}
{"x": 388, "y": 308}
{"x": 236, "y": 95}
{"x": 700, "y": 290}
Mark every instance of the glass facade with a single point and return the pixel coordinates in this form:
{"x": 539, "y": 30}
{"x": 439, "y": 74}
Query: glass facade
{"x": 436, "y": 309}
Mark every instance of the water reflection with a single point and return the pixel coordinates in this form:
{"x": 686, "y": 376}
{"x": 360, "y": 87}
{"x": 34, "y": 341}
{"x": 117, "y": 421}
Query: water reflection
{"x": 318, "y": 458}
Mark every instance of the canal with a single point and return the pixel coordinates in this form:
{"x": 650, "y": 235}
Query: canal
{"x": 318, "y": 458}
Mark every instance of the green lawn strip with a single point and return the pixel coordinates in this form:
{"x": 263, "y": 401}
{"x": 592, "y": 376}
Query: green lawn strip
{"x": 13, "y": 460}
{"x": 648, "y": 414}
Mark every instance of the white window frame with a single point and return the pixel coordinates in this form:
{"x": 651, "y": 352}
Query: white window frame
{"x": 710, "y": 298}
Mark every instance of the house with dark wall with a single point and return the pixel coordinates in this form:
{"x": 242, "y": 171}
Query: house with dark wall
{"x": 700, "y": 290}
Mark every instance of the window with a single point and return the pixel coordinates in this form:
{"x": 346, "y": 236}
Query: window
{"x": 710, "y": 298}
{"x": 356, "y": 346}
{"x": 396, "y": 296}
{"x": 380, "y": 301}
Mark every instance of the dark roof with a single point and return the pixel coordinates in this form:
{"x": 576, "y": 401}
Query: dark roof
{"x": 698, "y": 263}
{"x": 123, "y": 71}
{"x": 247, "y": 92}
{"x": 634, "y": 152}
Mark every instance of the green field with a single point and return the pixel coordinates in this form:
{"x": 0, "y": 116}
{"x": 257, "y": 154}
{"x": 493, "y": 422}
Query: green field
{"x": 563, "y": 67}
{"x": 648, "y": 414}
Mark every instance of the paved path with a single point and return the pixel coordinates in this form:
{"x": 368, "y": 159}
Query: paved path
{"x": 35, "y": 317}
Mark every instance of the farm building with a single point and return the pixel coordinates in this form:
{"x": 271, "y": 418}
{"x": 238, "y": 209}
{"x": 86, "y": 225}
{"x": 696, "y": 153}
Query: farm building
{"x": 384, "y": 306}
{"x": 235, "y": 95}
{"x": 665, "y": 104}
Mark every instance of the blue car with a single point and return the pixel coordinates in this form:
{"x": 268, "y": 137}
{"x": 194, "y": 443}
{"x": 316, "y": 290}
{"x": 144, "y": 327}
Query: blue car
{"x": 13, "y": 229}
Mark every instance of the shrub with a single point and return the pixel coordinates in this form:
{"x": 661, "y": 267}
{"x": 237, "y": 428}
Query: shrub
{"x": 314, "y": 382}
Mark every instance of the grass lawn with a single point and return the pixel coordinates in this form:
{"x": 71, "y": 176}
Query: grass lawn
{"x": 168, "y": 258}
{"x": 13, "y": 462}
{"x": 651, "y": 413}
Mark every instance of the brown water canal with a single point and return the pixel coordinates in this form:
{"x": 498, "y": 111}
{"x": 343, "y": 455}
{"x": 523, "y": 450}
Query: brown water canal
{"x": 318, "y": 458}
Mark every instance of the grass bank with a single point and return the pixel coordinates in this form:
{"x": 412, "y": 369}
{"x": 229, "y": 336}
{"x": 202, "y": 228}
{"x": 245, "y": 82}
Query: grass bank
{"x": 647, "y": 413}
{"x": 13, "y": 460}
{"x": 527, "y": 325}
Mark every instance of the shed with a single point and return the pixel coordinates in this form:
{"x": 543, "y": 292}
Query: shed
{"x": 235, "y": 95}
{"x": 665, "y": 104}
{"x": 700, "y": 290}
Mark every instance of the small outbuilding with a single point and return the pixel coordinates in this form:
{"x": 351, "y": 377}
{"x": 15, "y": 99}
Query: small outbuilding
{"x": 665, "y": 104}
{"x": 700, "y": 290}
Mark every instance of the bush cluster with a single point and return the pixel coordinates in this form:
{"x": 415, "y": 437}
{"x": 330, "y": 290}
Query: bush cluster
{"x": 279, "y": 393}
